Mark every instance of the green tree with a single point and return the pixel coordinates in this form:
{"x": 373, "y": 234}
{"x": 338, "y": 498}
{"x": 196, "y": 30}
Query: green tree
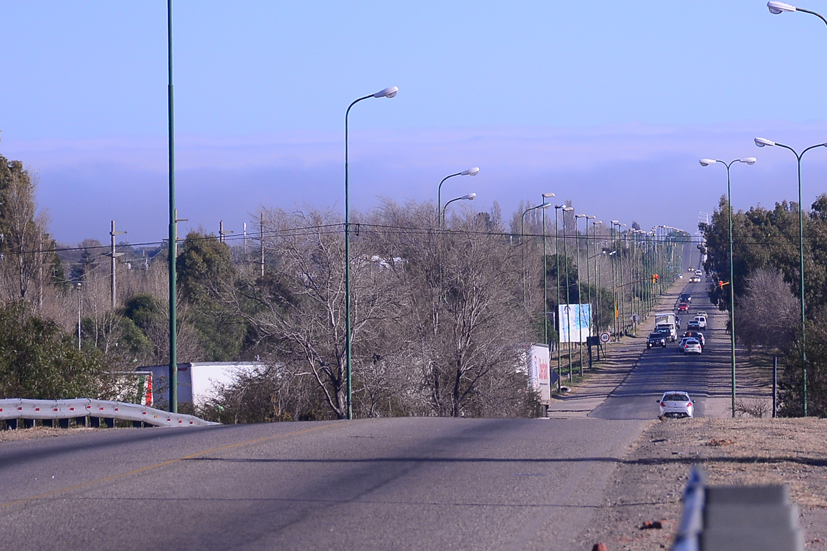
{"x": 39, "y": 360}
{"x": 205, "y": 275}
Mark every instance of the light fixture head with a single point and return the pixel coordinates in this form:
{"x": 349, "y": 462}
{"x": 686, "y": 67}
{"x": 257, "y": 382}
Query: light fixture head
{"x": 545, "y": 195}
{"x": 579, "y": 215}
{"x": 387, "y": 92}
{"x": 470, "y": 172}
{"x": 707, "y": 162}
{"x": 568, "y": 209}
{"x": 779, "y": 7}
{"x": 592, "y": 217}
{"x": 543, "y": 206}
{"x": 470, "y": 196}
{"x": 749, "y": 160}
{"x": 763, "y": 142}
{"x": 615, "y": 222}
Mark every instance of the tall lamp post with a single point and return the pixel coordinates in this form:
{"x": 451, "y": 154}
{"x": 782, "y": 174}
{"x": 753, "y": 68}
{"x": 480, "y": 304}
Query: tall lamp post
{"x": 543, "y": 206}
{"x": 749, "y": 161}
{"x": 468, "y": 172}
{"x": 545, "y": 272}
{"x": 467, "y": 197}
{"x": 384, "y": 93}
{"x": 622, "y": 328}
{"x": 557, "y": 261}
{"x": 762, "y": 142}
{"x": 596, "y": 274}
{"x": 173, "y": 240}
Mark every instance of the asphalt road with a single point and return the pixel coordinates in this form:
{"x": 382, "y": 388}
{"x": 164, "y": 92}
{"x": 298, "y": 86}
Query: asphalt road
{"x": 404, "y": 483}
{"x": 706, "y": 376}
{"x": 418, "y": 483}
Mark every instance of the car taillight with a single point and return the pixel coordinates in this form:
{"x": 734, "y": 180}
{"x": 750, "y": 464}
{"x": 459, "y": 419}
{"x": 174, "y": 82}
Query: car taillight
{"x": 689, "y": 404}
{"x": 662, "y": 404}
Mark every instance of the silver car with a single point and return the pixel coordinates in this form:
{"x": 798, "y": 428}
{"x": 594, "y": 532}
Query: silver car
{"x": 692, "y": 346}
{"x": 676, "y": 403}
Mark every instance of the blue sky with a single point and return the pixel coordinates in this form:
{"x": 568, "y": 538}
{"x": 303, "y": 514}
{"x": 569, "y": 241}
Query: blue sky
{"x": 607, "y": 104}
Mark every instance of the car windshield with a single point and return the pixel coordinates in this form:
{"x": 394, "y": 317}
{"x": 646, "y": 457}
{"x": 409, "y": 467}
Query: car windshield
{"x": 676, "y": 398}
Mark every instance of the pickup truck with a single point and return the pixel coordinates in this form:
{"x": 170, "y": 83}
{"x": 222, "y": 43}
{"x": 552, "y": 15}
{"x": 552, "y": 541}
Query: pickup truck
{"x": 656, "y": 339}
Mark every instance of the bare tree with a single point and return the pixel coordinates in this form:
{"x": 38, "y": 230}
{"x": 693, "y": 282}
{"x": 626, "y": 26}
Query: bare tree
{"x": 768, "y": 313}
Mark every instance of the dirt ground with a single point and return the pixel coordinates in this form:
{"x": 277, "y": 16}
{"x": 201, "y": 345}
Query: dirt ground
{"x": 648, "y": 483}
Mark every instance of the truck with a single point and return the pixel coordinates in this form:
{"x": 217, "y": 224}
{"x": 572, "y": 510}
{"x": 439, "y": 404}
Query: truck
{"x": 535, "y": 363}
{"x": 665, "y": 323}
{"x": 198, "y": 382}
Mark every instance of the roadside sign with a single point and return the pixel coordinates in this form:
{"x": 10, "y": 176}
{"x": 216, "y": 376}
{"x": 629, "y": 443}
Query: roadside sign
{"x": 604, "y": 337}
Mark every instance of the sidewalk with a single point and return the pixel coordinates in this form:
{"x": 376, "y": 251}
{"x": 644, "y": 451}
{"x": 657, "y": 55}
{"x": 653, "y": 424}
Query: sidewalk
{"x": 613, "y": 368}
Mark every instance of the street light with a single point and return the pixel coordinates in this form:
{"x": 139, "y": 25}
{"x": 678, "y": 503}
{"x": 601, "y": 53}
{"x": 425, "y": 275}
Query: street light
{"x": 468, "y": 172}
{"x": 547, "y": 195}
{"x": 559, "y": 321}
{"x": 780, "y": 7}
{"x": 579, "y": 296}
{"x": 749, "y": 161}
{"x": 568, "y": 296}
{"x": 467, "y": 197}
{"x": 543, "y": 206}
{"x": 596, "y": 275}
{"x": 384, "y": 93}
{"x": 762, "y": 142}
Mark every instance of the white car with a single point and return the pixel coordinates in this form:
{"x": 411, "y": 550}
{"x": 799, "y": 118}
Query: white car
{"x": 698, "y": 273}
{"x": 692, "y": 346}
{"x": 676, "y": 403}
{"x": 701, "y": 321}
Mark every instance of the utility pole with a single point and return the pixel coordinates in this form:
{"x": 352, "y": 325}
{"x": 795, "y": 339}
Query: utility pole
{"x": 261, "y": 237}
{"x": 113, "y": 255}
{"x": 221, "y": 232}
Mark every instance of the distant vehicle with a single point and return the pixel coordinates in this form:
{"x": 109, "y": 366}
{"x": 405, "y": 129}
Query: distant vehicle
{"x": 694, "y": 279}
{"x": 665, "y": 323}
{"x": 682, "y": 344}
{"x": 685, "y": 297}
{"x": 692, "y": 346}
{"x": 696, "y": 335}
{"x": 676, "y": 404}
{"x": 683, "y": 307}
{"x": 690, "y": 270}
{"x": 656, "y": 339}
{"x": 693, "y": 325}
{"x": 698, "y": 273}
{"x": 701, "y": 322}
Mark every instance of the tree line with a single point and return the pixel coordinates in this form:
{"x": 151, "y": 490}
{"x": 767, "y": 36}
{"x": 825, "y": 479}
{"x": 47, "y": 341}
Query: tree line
{"x": 767, "y": 288}
{"x": 439, "y": 313}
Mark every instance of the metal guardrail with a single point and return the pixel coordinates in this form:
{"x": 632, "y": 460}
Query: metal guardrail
{"x": 82, "y": 409}
{"x": 734, "y": 518}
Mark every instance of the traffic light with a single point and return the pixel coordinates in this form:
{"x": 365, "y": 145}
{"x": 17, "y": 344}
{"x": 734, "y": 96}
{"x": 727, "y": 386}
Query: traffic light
{"x": 654, "y": 278}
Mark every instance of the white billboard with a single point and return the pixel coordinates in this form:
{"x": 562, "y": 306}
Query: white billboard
{"x": 575, "y": 321}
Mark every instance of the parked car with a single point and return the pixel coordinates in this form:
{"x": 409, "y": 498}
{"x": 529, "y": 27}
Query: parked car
{"x": 692, "y": 346}
{"x": 676, "y": 403}
{"x": 683, "y": 307}
{"x": 656, "y": 339}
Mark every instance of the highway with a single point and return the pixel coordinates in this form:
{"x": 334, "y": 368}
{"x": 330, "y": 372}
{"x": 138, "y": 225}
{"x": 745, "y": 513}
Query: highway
{"x": 413, "y": 483}
{"x": 399, "y": 483}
